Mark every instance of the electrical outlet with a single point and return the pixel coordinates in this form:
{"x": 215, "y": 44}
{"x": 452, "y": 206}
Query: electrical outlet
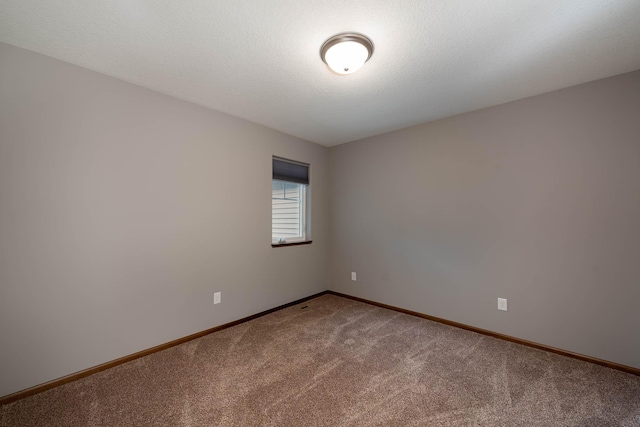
{"x": 353, "y": 276}
{"x": 502, "y": 304}
{"x": 216, "y": 297}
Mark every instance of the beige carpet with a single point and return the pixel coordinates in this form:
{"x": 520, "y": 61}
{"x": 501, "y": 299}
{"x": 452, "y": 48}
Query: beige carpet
{"x": 339, "y": 362}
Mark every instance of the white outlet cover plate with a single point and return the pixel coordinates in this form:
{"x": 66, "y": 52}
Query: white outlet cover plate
{"x": 216, "y": 298}
{"x": 353, "y": 276}
{"x": 502, "y": 304}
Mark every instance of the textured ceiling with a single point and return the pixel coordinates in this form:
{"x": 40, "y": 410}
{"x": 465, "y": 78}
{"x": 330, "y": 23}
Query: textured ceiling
{"x": 259, "y": 59}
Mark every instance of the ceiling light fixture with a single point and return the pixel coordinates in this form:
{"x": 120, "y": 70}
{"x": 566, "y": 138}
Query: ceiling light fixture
{"x": 346, "y": 53}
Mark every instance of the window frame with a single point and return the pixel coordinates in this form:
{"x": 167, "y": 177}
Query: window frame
{"x": 305, "y": 189}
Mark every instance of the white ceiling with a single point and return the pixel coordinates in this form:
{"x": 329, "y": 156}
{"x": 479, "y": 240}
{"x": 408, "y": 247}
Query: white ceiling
{"x": 259, "y": 59}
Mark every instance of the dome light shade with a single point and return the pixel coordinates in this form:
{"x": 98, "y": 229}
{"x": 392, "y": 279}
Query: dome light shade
{"x": 346, "y": 53}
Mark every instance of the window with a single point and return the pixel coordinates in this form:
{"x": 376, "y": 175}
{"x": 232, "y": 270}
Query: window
{"x": 289, "y": 202}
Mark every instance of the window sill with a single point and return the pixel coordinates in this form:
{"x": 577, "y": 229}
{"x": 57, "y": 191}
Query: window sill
{"x": 279, "y": 245}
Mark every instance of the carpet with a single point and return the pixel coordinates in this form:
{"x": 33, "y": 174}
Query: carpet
{"x": 332, "y": 361}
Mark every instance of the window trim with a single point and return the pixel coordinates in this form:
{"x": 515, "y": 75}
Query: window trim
{"x": 304, "y": 179}
{"x": 282, "y": 245}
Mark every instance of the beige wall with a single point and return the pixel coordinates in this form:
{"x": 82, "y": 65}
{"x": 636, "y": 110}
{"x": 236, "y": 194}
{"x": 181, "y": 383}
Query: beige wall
{"x": 120, "y": 216}
{"x": 536, "y": 201}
